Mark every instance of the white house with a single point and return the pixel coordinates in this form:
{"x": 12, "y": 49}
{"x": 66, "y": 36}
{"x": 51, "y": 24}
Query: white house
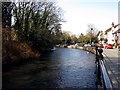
{"x": 110, "y": 34}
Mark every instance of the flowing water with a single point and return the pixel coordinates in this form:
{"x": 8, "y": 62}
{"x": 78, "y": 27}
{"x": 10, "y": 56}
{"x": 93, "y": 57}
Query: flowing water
{"x": 62, "y": 68}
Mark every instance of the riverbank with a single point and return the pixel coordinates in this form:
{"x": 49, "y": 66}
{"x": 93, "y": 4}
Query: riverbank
{"x": 89, "y": 49}
{"x": 15, "y": 52}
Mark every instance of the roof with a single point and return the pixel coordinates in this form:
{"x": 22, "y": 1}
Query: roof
{"x": 118, "y": 31}
{"x": 109, "y": 29}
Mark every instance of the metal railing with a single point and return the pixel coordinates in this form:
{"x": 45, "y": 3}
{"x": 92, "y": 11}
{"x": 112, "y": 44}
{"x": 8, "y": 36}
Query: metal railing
{"x": 103, "y": 81}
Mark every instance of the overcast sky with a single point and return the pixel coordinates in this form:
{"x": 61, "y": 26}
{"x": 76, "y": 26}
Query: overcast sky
{"x": 79, "y": 13}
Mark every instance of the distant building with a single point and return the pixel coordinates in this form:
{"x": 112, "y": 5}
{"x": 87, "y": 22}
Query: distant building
{"x": 110, "y": 34}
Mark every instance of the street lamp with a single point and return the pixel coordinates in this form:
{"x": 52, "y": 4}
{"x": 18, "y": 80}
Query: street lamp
{"x": 91, "y": 36}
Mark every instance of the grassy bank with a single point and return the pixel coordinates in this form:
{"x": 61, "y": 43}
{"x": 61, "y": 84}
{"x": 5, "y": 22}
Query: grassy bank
{"x": 90, "y": 49}
{"x": 14, "y": 52}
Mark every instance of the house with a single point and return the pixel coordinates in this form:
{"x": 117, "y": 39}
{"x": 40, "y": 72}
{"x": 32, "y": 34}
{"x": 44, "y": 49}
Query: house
{"x": 117, "y": 33}
{"x": 110, "y": 34}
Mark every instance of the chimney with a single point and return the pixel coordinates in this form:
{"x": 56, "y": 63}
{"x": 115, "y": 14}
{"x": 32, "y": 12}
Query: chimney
{"x": 112, "y": 24}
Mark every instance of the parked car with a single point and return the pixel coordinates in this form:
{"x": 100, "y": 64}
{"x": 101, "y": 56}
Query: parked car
{"x": 87, "y": 45}
{"x": 100, "y": 45}
{"x": 109, "y": 46}
{"x": 79, "y": 44}
{"x": 93, "y": 45}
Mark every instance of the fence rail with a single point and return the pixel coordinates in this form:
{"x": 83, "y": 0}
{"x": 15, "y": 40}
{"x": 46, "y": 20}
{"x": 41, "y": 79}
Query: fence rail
{"x": 103, "y": 81}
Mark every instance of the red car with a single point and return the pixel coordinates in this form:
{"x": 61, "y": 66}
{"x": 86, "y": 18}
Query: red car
{"x": 109, "y": 46}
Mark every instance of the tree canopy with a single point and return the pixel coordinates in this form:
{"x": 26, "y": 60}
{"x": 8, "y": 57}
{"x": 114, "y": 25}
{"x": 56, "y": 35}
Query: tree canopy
{"x": 38, "y": 23}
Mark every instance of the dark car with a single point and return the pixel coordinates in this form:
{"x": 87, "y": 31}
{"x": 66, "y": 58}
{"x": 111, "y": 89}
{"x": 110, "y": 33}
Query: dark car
{"x": 109, "y": 46}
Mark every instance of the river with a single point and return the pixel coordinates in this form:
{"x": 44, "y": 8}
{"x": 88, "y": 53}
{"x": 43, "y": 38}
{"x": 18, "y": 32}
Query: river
{"x": 62, "y": 68}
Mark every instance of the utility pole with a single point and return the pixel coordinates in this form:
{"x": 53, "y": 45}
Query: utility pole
{"x": 91, "y": 36}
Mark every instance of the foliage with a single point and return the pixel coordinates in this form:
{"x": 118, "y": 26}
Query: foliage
{"x": 74, "y": 38}
{"x": 6, "y": 14}
{"x": 92, "y": 33}
{"x": 37, "y": 23}
{"x": 65, "y": 37}
{"x": 14, "y": 51}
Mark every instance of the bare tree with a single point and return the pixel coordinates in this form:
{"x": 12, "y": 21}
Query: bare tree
{"x": 92, "y": 31}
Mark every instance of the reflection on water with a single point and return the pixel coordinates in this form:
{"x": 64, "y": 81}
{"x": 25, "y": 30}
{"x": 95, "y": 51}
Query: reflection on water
{"x": 63, "y": 68}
